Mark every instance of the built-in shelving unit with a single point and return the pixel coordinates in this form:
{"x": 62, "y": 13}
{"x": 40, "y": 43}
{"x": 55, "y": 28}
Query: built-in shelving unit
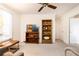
{"x": 46, "y": 31}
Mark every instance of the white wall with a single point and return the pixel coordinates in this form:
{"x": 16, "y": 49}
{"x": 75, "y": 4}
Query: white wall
{"x": 65, "y": 23}
{"x": 57, "y": 30}
{"x": 35, "y": 19}
{"x": 65, "y": 29}
{"x": 16, "y": 26}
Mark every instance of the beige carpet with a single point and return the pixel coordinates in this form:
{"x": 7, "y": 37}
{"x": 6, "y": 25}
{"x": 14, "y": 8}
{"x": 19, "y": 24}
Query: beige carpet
{"x": 56, "y": 49}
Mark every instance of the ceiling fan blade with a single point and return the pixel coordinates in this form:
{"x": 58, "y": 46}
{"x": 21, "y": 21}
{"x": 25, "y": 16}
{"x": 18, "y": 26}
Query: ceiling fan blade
{"x": 40, "y": 8}
{"x": 51, "y": 6}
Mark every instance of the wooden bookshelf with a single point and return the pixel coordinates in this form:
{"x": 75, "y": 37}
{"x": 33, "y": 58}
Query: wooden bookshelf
{"x": 46, "y": 31}
{"x": 32, "y": 36}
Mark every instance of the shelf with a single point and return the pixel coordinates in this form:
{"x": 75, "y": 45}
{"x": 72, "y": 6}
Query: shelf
{"x": 46, "y": 34}
{"x": 46, "y": 31}
{"x": 46, "y": 24}
{"x": 32, "y": 32}
{"x": 32, "y": 37}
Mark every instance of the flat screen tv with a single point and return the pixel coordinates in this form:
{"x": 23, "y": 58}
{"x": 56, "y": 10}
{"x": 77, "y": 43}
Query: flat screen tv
{"x": 34, "y": 28}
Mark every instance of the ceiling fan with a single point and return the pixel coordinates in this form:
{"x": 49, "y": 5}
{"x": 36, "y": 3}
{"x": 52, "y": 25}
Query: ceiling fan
{"x": 46, "y": 5}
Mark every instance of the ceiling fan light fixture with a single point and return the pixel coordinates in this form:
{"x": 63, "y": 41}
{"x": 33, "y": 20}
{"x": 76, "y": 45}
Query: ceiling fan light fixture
{"x": 48, "y": 5}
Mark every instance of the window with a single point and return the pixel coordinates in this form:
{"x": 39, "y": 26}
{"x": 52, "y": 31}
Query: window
{"x": 1, "y": 25}
{"x": 5, "y": 25}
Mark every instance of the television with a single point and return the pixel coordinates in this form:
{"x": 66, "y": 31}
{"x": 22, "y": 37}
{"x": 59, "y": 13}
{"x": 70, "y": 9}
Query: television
{"x": 34, "y": 28}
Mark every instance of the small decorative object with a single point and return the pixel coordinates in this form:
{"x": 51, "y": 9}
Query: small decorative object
{"x": 46, "y": 37}
{"x": 29, "y": 28}
{"x": 46, "y": 28}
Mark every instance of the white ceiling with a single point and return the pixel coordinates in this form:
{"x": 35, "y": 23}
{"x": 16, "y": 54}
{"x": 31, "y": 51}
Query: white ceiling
{"x": 32, "y": 8}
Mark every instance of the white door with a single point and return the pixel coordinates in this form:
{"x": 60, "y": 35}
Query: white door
{"x": 74, "y": 30}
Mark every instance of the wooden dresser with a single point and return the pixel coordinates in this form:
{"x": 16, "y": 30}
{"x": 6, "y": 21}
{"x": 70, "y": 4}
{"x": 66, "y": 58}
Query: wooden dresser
{"x": 32, "y": 37}
{"x": 32, "y": 34}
